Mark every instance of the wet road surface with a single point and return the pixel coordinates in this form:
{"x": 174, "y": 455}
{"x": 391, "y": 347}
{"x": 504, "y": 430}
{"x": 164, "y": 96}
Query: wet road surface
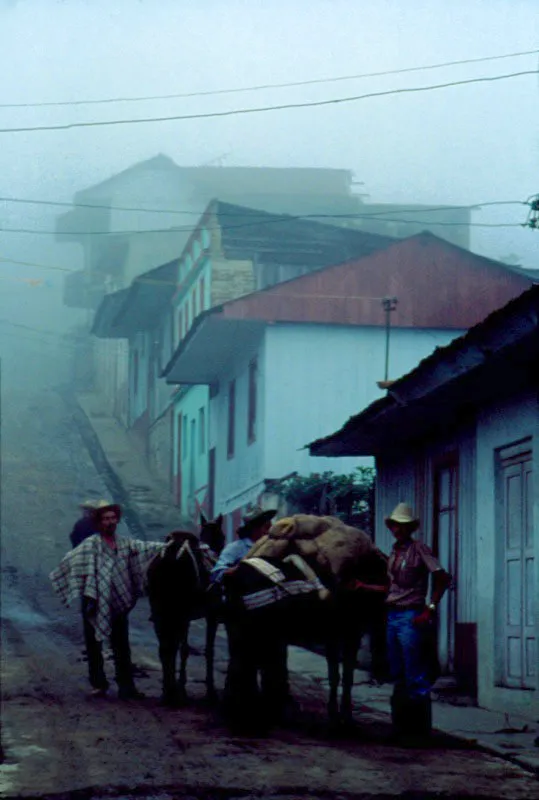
{"x": 58, "y": 740}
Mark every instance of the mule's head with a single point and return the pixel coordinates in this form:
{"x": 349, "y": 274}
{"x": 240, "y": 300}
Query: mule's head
{"x": 212, "y": 534}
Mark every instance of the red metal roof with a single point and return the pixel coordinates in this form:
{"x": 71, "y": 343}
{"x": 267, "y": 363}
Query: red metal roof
{"x": 437, "y": 284}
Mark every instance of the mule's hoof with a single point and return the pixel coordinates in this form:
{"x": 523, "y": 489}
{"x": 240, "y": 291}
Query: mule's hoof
{"x": 212, "y": 698}
{"x": 174, "y": 699}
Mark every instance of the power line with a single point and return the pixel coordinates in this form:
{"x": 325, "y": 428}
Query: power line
{"x": 265, "y": 86}
{"x": 262, "y": 109}
{"x": 33, "y": 264}
{"x": 191, "y": 212}
{"x": 278, "y": 220}
{"x": 41, "y": 331}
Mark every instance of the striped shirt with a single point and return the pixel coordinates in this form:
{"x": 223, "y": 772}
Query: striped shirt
{"x": 115, "y": 579}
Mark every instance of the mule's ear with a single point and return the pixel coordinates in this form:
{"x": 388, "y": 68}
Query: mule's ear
{"x": 219, "y": 519}
{"x": 203, "y": 520}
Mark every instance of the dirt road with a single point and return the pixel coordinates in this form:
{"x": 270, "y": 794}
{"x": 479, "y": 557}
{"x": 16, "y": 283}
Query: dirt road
{"x": 57, "y": 740}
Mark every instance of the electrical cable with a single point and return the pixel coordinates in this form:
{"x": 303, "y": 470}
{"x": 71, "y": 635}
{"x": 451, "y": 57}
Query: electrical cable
{"x": 277, "y": 220}
{"x": 263, "y": 109}
{"x": 265, "y": 86}
{"x": 191, "y": 212}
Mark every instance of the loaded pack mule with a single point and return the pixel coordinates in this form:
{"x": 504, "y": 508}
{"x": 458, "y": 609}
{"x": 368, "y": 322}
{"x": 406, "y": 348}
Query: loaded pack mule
{"x": 264, "y": 611}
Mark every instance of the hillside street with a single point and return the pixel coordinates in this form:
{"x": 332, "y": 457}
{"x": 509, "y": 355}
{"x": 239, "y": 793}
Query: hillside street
{"x": 57, "y": 740}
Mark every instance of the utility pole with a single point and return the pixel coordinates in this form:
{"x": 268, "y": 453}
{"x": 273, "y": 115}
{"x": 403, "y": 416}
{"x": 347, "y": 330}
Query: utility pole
{"x": 1, "y": 459}
{"x": 533, "y": 214}
{"x": 389, "y": 304}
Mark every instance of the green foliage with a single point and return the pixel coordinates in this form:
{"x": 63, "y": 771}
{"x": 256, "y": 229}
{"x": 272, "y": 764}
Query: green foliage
{"x": 350, "y": 497}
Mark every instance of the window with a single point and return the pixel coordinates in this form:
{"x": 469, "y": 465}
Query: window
{"x": 135, "y": 371}
{"x": 202, "y": 294}
{"x": 180, "y": 324}
{"x": 184, "y": 436}
{"x": 202, "y": 430}
{"x": 193, "y": 304}
{"x": 252, "y": 400}
{"x": 231, "y": 441}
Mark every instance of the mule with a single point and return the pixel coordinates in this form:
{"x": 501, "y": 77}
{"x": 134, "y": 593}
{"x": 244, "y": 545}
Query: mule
{"x": 261, "y": 616}
{"x": 177, "y": 585}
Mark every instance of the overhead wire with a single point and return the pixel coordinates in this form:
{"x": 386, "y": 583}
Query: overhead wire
{"x": 266, "y": 86}
{"x": 199, "y": 213}
{"x": 264, "y": 109}
{"x": 263, "y": 221}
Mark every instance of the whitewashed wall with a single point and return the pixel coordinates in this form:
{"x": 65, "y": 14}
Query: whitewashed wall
{"x": 318, "y": 376}
{"x": 498, "y": 427}
{"x": 239, "y": 480}
{"x": 395, "y": 483}
{"x": 138, "y": 394}
{"x": 194, "y": 462}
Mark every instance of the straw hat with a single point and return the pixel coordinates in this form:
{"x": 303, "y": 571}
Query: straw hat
{"x": 88, "y": 505}
{"x": 106, "y": 505}
{"x": 403, "y": 514}
{"x": 254, "y": 516}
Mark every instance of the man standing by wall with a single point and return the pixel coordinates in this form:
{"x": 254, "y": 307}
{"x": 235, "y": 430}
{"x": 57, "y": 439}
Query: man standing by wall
{"x": 408, "y": 621}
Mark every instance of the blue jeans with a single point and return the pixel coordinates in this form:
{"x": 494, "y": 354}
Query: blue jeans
{"x": 406, "y": 655}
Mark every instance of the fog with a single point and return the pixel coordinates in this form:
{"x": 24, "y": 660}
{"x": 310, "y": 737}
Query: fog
{"x": 460, "y": 145}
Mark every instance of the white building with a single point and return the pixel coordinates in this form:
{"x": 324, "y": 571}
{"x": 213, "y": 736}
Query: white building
{"x": 287, "y": 364}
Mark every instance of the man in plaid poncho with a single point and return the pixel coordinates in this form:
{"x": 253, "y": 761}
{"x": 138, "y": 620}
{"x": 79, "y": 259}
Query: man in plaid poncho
{"x": 108, "y": 572}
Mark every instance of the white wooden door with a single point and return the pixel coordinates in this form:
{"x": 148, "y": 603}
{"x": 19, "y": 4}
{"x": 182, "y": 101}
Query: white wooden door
{"x": 446, "y": 548}
{"x": 517, "y": 656}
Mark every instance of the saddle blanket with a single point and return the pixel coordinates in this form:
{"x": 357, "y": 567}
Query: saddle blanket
{"x": 280, "y": 591}
{"x": 282, "y": 587}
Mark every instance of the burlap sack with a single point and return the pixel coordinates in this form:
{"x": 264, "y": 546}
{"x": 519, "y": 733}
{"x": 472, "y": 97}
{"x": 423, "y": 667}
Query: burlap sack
{"x": 334, "y": 550}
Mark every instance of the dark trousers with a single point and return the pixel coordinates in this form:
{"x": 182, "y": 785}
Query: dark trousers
{"x": 121, "y": 653}
{"x": 411, "y": 703}
{"x": 255, "y": 650}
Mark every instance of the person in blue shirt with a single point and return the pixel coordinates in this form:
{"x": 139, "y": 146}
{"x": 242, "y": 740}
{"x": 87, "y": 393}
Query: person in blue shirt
{"x": 256, "y": 523}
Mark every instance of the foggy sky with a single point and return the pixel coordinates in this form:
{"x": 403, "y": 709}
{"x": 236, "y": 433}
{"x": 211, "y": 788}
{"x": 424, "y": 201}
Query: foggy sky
{"x": 459, "y": 145}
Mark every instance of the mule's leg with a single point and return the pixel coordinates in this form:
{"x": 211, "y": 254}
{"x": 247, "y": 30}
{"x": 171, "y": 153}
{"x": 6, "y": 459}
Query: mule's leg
{"x": 212, "y": 623}
{"x": 168, "y": 649}
{"x": 349, "y": 658}
{"x": 168, "y": 638}
{"x": 184, "y": 655}
{"x": 332, "y": 656}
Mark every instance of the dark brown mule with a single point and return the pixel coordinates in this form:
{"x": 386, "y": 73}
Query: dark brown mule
{"x": 178, "y": 580}
{"x": 337, "y": 623}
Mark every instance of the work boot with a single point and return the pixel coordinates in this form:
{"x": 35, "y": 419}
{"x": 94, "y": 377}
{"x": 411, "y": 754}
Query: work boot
{"x": 419, "y": 723}
{"x": 400, "y": 715}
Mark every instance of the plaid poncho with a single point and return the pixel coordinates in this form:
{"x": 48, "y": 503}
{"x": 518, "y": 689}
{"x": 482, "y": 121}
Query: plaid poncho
{"x": 115, "y": 580}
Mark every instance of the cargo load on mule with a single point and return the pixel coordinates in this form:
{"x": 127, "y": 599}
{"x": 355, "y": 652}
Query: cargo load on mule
{"x": 335, "y": 551}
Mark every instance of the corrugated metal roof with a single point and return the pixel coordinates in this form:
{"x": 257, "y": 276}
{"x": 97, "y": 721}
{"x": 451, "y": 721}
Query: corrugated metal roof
{"x": 103, "y": 324}
{"x": 284, "y": 238}
{"x": 492, "y": 359}
{"x": 149, "y": 296}
{"x": 138, "y": 307}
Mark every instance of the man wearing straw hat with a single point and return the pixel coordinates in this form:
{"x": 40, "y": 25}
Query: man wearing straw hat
{"x": 85, "y": 525}
{"x": 108, "y": 573}
{"x": 248, "y": 658}
{"x": 256, "y": 523}
{"x": 409, "y": 619}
